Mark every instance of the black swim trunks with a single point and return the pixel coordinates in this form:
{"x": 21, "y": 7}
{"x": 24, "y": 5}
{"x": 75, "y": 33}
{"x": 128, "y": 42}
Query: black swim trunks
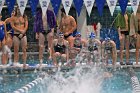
{"x": 125, "y": 32}
{"x": 67, "y": 36}
{"x": 139, "y": 32}
{"x": 17, "y": 35}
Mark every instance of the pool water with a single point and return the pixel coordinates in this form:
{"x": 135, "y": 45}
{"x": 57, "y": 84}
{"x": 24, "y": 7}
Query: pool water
{"x": 120, "y": 82}
{"x": 10, "y": 82}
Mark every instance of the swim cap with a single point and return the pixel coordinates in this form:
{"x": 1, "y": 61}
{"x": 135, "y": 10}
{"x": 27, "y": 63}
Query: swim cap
{"x": 78, "y": 33}
{"x": 92, "y": 35}
{"x": 107, "y": 39}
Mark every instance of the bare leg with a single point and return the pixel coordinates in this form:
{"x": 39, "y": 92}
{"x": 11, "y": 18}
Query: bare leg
{"x": 63, "y": 57}
{"x": 24, "y": 47}
{"x": 41, "y": 47}
{"x": 50, "y": 38}
{"x": 137, "y": 48}
{"x": 16, "y": 49}
{"x": 114, "y": 58}
{"x": 121, "y": 48}
{"x": 127, "y": 48}
{"x": 55, "y": 57}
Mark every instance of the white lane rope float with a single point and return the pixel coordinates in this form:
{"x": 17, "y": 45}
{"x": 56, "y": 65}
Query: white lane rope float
{"x": 135, "y": 81}
{"x": 30, "y": 85}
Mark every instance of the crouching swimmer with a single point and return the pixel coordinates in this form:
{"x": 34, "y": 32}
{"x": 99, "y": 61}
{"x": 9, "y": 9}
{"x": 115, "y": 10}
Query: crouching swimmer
{"x": 109, "y": 49}
{"x": 60, "y": 49}
{"x": 94, "y": 48}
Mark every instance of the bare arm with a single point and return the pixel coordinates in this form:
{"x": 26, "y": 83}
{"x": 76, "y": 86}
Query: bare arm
{"x": 102, "y": 51}
{"x": 26, "y": 24}
{"x": 67, "y": 51}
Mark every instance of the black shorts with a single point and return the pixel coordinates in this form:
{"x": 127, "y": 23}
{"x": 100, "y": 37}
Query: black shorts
{"x": 139, "y": 32}
{"x": 44, "y": 32}
{"x": 67, "y": 36}
{"x": 17, "y": 35}
{"x": 125, "y": 32}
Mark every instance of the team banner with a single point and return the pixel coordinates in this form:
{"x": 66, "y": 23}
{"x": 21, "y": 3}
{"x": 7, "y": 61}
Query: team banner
{"x": 123, "y": 5}
{"x": 67, "y": 5}
{"x": 100, "y": 5}
{"x": 111, "y": 5}
{"x": 44, "y": 5}
{"x": 1, "y": 4}
{"x": 135, "y": 4}
{"x": 33, "y": 4}
{"x": 10, "y": 5}
{"x": 78, "y": 5}
{"x": 22, "y": 5}
{"x": 89, "y": 4}
{"x": 56, "y": 5}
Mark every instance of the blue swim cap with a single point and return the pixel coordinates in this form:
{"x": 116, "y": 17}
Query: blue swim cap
{"x": 78, "y": 33}
{"x": 107, "y": 39}
{"x": 92, "y": 35}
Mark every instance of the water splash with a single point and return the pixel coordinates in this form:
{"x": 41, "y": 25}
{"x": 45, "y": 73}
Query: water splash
{"x": 83, "y": 79}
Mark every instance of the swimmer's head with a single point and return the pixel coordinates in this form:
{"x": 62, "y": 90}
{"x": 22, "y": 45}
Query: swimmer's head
{"x": 107, "y": 39}
{"x": 92, "y": 35}
{"x": 61, "y": 35}
{"x": 78, "y": 34}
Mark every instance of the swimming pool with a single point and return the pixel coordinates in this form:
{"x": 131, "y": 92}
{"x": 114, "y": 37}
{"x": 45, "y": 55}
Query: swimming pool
{"x": 120, "y": 82}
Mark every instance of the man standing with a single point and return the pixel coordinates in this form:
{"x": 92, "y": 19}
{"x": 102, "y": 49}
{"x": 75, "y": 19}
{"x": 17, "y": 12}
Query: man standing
{"x": 67, "y": 26}
{"x": 135, "y": 31}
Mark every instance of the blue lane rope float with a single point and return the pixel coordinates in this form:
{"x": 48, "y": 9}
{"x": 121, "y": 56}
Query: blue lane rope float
{"x": 135, "y": 81}
{"x": 30, "y": 85}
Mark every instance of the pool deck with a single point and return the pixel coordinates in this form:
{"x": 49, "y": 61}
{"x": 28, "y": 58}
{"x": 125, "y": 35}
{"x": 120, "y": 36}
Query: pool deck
{"x": 46, "y": 67}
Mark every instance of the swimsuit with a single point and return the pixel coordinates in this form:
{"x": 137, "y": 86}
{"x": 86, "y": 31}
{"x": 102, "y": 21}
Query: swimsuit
{"x": 17, "y": 35}
{"x": 60, "y": 48}
{"x": 67, "y": 36}
{"x": 108, "y": 48}
{"x": 125, "y": 32}
{"x": 93, "y": 47}
{"x": 77, "y": 45}
{"x": 2, "y": 32}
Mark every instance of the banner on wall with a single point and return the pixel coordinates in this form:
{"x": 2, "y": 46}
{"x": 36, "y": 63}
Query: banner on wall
{"x": 89, "y": 4}
{"x": 67, "y": 5}
{"x": 44, "y": 5}
{"x": 123, "y": 5}
{"x": 10, "y": 5}
{"x": 22, "y": 5}
{"x": 56, "y": 5}
{"x": 111, "y": 5}
{"x": 33, "y": 4}
{"x": 100, "y": 5}
{"x": 78, "y": 5}
{"x": 135, "y": 4}
{"x": 1, "y": 4}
